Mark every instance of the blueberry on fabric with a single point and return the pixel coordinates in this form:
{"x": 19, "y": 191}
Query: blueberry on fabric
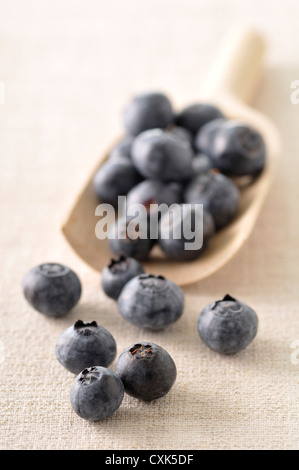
{"x": 151, "y": 301}
{"x": 52, "y": 289}
{"x": 118, "y": 273}
{"x": 147, "y": 371}
{"x": 96, "y": 393}
{"x": 84, "y": 345}
{"x": 228, "y": 325}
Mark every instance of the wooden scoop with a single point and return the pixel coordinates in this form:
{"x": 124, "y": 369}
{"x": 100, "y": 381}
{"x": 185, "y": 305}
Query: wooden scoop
{"x": 230, "y": 85}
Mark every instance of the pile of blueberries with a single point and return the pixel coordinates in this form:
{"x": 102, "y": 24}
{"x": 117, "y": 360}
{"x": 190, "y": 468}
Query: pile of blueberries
{"x": 196, "y": 156}
{"x": 144, "y": 370}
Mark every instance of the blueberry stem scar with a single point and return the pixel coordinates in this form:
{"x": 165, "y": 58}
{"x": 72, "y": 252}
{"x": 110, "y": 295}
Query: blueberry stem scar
{"x": 81, "y": 324}
{"x": 139, "y": 350}
{"x": 228, "y": 297}
{"x": 151, "y": 276}
{"x": 113, "y": 262}
{"x": 225, "y": 298}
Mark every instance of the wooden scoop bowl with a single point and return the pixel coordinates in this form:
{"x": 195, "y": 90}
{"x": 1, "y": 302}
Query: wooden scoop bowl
{"x": 230, "y": 85}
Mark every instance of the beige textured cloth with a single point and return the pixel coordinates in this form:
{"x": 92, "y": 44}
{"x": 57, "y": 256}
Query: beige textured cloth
{"x": 69, "y": 68}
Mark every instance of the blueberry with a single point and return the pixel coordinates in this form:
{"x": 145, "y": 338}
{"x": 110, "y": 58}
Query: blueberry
{"x": 84, "y": 345}
{"x": 115, "y": 178}
{"x": 52, "y": 289}
{"x": 153, "y": 192}
{"x": 148, "y": 111}
{"x": 201, "y": 163}
{"x": 181, "y": 133}
{"x": 228, "y": 325}
{"x": 195, "y": 116}
{"x": 96, "y": 393}
{"x": 129, "y": 240}
{"x": 238, "y": 150}
{"x": 147, "y": 371}
{"x": 151, "y": 301}
{"x": 118, "y": 273}
{"x": 175, "y": 248}
{"x": 160, "y": 155}
{"x": 205, "y": 137}
{"x": 177, "y": 188}
{"x": 218, "y": 194}
{"x": 122, "y": 149}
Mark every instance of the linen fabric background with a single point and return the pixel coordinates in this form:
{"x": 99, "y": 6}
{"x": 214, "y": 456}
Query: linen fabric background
{"x": 69, "y": 69}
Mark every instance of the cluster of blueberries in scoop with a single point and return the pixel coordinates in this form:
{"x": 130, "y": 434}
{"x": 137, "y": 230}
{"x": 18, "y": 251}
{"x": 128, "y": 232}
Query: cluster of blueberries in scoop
{"x": 196, "y": 156}
{"x": 144, "y": 370}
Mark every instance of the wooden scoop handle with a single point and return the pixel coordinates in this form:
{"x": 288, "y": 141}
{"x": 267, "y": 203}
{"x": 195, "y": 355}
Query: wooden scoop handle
{"x": 237, "y": 67}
